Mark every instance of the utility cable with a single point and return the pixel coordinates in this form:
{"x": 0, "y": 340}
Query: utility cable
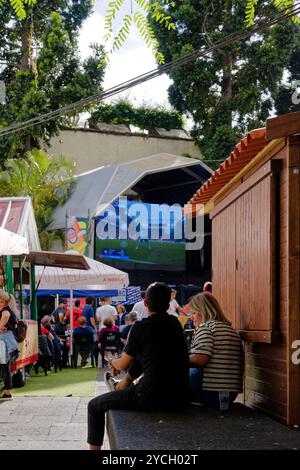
{"x": 81, "y": 104}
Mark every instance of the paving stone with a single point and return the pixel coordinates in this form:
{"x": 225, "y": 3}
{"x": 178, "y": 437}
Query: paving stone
{"x": 79, "y": 418}
{"x": 36, "y": 420}
{"x": 68, "y": 431}
{"x": 46, "y": 423}
{"x": 14, "y": 418}
{"x": 43, "y": 445}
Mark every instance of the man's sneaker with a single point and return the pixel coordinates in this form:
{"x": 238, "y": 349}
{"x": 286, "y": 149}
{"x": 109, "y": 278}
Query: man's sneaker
{"x": 110, "y": 381}
{"x": 6, "y": 397}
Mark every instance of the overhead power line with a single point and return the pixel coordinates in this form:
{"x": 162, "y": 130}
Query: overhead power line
{"x": 81, "y": 104}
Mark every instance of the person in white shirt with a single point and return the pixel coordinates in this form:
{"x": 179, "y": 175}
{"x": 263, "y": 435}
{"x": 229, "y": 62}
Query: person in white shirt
{"x": 140, "y": 308}
{"x": 105, "y": 311}
{"x": 174, "y": 305}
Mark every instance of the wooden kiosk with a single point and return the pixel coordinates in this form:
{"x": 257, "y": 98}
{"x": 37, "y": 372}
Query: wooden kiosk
{"x": 253, "y": 199}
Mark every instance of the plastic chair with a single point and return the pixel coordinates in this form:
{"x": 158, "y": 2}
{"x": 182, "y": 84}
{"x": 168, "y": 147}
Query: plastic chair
{"x": 83, "y": 343}
{"x": 110, "y": 341}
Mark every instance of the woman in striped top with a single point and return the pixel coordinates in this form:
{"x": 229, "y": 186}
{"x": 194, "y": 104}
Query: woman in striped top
{"x": 216, "y": 357}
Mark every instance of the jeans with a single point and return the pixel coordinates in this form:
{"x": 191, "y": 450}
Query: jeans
{"x": 204, "y": 396}
{"x": 130, "y": 398}
{"x": 196, "y": 377}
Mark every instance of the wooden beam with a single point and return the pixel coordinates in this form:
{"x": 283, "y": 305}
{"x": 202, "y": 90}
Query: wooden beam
{"x": 283, "y": 126}
{"x": 269, "y": 337}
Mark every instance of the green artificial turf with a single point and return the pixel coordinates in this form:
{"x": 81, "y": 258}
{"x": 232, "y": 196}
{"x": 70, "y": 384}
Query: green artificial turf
{"x": 152, "y": 252}
{"x": 78, "y": 382}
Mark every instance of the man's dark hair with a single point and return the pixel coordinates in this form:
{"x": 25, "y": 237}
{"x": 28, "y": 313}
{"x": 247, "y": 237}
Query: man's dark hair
{"x": 158, "y": 297}
{"x": 89, "y": 300}
{"x": 143, "y": 294}
{"x": 77, "y": 303}
{"x": 62, "y": 300}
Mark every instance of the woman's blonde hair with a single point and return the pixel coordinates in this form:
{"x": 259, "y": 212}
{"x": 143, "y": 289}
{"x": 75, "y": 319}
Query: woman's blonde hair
{"x": 9, "y": 300}
{"x": 207, "y": 305}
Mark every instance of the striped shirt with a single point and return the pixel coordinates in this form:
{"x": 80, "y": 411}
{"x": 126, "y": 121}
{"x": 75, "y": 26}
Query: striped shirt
{"x": 224, "y": 370}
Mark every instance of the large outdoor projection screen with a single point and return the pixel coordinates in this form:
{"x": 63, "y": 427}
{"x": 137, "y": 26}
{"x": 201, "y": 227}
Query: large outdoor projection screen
{"x": 140, "y": 235}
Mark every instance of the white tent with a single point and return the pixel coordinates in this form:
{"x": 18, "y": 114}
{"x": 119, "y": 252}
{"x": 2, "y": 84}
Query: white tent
{"x": 99, "y": 276}
{"x": 98, "y": 188}
{"x": 12, "y": 244}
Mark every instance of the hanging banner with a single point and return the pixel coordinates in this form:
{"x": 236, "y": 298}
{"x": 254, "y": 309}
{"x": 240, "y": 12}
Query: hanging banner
{"x": 29, "y": 347}
{"x": 78, "y": 235}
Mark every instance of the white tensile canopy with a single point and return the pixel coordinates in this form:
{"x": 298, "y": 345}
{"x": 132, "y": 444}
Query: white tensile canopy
{"x": 12, "y": 244}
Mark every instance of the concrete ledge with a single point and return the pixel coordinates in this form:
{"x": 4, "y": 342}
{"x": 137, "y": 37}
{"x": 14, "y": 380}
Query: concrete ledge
{"x": 198, "y": 429}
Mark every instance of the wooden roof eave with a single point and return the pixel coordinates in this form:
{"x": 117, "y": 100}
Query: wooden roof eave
{"x": 210, "y": 204}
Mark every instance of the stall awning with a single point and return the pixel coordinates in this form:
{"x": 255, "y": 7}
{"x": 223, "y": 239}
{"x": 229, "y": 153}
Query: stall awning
{"x": 98, "y": 276}
{"x": 59, "y": 260}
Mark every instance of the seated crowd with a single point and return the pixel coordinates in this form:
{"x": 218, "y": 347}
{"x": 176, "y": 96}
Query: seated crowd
{"x": 107, "y": 330}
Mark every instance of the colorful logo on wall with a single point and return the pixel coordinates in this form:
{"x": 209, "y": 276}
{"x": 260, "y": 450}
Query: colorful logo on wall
{"x": 78, "y": 235}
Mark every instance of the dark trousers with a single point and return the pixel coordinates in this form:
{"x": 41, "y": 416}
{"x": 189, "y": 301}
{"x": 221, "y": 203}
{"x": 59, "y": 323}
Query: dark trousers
{"x": 127, "y": 399}
{"x": 6, "y": 375}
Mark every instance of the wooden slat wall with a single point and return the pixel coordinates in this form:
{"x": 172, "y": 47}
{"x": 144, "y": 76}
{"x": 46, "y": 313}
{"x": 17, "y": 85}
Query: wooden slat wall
{"x": 223, "y": 261}
{"x": 293, "y": 276}
{"x": 254, "y": 258}
{"x": 265, "y": 364}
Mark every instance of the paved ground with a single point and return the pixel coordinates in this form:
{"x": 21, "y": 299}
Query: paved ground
{"x": 59, "y": 423}
{"x": 47, "y": 423}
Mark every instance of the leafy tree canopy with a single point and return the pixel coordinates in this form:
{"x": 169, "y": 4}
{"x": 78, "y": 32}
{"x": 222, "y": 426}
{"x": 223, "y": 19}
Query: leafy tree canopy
{"x": 286, "y": 6}
{"x": 136, "y": 15}
{"x": 144, "y": 117}
{"x": 234, "y": 89}
{"x": 42, "y": 69}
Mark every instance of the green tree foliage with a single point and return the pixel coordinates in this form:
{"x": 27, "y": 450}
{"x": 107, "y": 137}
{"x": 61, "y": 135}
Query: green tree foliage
{"x": 282, "y": 5}
{"x": 234, "y": 89}
{"x": 144, "y": 117}
{"x": 42, "y": 69}
{"x": 47, "y": 180}
{"x": 136, "y": 15}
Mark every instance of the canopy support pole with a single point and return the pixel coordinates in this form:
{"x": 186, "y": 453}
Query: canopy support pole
{"x": 71, "y": 323}
{"x": 21, "y": 287}
{"x": 33, "y": 303}
{"x": 9, "y": 274}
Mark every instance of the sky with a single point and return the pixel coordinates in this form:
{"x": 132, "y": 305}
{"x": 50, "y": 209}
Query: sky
{"x": 131, "y": 60}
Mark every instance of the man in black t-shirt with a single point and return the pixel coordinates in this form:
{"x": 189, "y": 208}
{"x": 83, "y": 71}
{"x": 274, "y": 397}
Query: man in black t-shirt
{"x": 158, "y": 342}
